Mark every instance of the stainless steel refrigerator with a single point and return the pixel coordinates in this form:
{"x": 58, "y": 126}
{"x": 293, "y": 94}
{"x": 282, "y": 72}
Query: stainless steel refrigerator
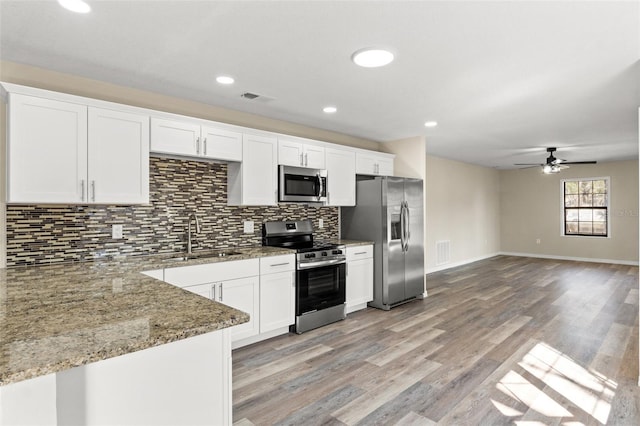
{"x": 389, "y": 212}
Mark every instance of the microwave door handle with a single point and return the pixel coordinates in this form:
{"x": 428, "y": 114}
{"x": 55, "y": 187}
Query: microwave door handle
{"x": 320, "y": 188}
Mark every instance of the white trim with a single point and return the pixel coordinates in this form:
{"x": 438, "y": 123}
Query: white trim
{"x": 460, "y": 263}
{"x": 562, "y": 212}
{"x": 577, "y": 259}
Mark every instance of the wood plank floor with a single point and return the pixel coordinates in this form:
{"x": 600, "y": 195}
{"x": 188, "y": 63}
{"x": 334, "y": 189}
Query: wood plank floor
{"x": 507, "y": 340}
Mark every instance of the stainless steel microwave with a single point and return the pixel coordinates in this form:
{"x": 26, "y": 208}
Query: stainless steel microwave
{"x": 299, "y": 184}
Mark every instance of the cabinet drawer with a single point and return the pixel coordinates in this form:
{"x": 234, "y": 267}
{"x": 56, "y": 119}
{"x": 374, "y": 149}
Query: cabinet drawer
{"x": 359, "y": 252}
{"x": 273, "y": 264}
{"x": 183, "y": 276}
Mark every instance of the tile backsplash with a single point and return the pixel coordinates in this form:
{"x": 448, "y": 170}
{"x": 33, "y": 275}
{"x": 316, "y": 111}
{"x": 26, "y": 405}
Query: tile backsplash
{"x": 40, "y": 234}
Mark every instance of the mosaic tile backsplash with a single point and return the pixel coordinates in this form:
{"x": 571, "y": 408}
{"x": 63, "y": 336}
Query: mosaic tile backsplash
{"x": 44, "y": 234}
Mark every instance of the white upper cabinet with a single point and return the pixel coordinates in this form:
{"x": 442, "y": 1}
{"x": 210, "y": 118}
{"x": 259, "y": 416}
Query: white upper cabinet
{"x": 174, "y": 137}
{"x": 68, "y": 153}
{"x": 296, "y": 153}
{"x": 189, "y": 139}
{"x": 254, "y": 182}
{"x": 373, "y": 163}
{"x": 46, "y": 151}
{"x": 341, "y": 177}
{"x": 118, "y": 156}
{"x": 221, "y": 144}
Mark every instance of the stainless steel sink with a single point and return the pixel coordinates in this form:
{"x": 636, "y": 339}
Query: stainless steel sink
{"x": 203, "y": 255}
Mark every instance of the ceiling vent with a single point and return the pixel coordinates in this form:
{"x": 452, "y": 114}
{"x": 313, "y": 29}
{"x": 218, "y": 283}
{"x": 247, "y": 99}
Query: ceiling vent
{"x": 256, "y": 97}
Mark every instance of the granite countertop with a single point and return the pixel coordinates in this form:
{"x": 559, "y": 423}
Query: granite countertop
{"x": 55, "y": 317}
{"x": 353, "y": 243}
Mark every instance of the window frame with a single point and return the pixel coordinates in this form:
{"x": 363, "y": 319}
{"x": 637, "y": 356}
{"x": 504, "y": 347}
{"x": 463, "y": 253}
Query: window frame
{"x": 563, "y": 233}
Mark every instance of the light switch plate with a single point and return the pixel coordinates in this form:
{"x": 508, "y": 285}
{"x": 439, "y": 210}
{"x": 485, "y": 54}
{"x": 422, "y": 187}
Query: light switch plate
{"x": 116, "y": 232}
{"x": 248, "y": 227}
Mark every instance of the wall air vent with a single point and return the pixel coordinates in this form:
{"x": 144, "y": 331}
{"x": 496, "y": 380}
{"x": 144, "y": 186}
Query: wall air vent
{"x": 443, "y": 252}
{"x": 256, "y": 97}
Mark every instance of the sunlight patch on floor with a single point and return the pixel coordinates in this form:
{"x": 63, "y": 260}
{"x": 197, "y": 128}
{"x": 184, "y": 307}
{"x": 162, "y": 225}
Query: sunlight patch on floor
{"x": 589, "y": 391}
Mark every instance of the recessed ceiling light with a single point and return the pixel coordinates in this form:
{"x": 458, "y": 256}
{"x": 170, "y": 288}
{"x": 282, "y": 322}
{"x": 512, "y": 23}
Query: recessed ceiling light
{"x": 77, "y": 6}
{"x": 372, "y": 58}
{"x": 224, "y": 79}
{"x": 329, "y": 109}
{"x": 431, "y": 124}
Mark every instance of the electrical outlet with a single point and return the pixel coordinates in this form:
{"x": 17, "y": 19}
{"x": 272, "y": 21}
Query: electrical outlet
{"x": 321, "y": 223}
{"x": 116, "y": 232}
{"x": 538, "y": 241}
{"x": 248, "y": 227}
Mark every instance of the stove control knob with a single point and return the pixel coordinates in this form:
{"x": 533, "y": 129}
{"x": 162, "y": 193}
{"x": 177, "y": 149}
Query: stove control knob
{"x": 324, "y": 253}
{"x": 336, "y": 252}
{"x": 309, "y": 255}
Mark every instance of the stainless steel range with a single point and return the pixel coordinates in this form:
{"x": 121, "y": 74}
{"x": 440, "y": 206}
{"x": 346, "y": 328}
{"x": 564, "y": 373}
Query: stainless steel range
{"x": 320, "y": 273}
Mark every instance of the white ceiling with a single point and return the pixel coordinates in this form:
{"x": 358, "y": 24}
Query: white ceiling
{"x": 503, "y": 79}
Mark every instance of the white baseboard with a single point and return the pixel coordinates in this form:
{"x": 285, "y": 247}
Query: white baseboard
{"x": 577, "y": 259}
{"x": 461, "y": 263}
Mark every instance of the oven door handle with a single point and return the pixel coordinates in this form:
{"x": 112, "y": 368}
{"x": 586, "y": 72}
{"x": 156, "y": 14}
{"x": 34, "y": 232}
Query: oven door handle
{"x": 321, "y": 263}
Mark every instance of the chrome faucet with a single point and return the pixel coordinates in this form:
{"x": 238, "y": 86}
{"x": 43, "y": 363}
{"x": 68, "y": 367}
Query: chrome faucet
{"x": 192, "y": 215}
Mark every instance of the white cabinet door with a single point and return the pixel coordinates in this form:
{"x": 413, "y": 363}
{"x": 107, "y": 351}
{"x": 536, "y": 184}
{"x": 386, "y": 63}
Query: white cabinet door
{"x": 370, "y": 163}
{"x": 314, "y": 157}
{"x": 359, "y": 283}
{"x": 118, "y": 153}
{"x": 290, "y": 153}
{"x": 341, "y": 177}
{"x": 204, "y": 290}
{"x": 385, "y": 166}
{"x": 46, "y": 151}
{"x": 300, "y": 154}
{"x": 242, "y": 294}
{"x": 221, "y": 144}
{"x": 277, "y": 301}
{"x": 175, "y": 137}
{"x": 254, "y": 181}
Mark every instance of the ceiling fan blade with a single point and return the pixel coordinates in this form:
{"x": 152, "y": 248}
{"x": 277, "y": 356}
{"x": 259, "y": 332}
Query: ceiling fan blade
{"x": 580, "y": 162}
{"x": 528, "y": 167}
{"x": 528, "y": 164}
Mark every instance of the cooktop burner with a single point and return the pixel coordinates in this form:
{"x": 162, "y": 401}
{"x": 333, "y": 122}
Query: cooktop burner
{"x": 295, "y": 235}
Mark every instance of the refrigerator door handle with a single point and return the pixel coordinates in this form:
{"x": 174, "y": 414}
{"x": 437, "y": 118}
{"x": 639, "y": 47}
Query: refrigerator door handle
{"x": 403, "y": 227}
{"x": 407, "y": 226}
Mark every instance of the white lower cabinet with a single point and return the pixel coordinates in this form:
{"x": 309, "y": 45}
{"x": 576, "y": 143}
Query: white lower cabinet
{"x": 263, "y": 288}
{"x": 359, "y": 289}
{"x": 277, "y": 292}
{"x": 235, "y": 284}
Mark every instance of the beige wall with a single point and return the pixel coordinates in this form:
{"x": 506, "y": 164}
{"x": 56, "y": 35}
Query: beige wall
{"x": 46, "y": 79}
{"x": 462, "y": 206}
{"x": 410, "y": 156}
{"x": 531, "y": 210}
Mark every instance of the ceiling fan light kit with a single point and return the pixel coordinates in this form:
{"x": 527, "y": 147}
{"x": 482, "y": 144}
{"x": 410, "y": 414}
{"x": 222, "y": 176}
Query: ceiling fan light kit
{"x": 553, "y": 164}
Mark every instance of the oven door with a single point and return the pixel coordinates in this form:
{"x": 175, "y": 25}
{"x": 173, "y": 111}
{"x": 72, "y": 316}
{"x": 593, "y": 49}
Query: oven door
{"x": 320, "y": 288}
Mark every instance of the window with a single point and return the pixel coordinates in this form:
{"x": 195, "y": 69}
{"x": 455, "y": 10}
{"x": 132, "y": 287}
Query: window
{"x": 586, "y": 204}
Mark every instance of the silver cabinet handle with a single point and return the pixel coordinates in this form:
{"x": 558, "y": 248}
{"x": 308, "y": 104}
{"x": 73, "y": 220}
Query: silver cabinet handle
{"x": 279, "y": 264}
{"x": 82, "y": 190}
{"x": 205, "y": 146}
{"x": 221, "y": 292}
{"x": 301, "y": 159}
{"x": 360, "y": 252}
{"x": 93, "y": 190}
{"x": 213, "y": 292}
{"x": 306, "y": 159}
{"x": 198, "y": 146}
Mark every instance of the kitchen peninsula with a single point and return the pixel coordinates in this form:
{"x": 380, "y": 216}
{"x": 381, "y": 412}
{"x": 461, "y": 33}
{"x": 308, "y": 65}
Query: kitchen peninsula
{"x": 100, "y": 342}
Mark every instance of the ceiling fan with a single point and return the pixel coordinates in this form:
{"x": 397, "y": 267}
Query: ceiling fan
{"x": 553, "y": 164}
